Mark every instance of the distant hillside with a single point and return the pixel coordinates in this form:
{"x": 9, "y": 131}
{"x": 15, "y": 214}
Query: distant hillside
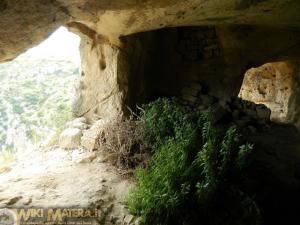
{"x": 35, "y": 100}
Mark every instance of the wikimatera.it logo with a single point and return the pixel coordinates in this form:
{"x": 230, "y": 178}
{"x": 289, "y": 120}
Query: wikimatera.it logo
{"x": 48, "y": 216}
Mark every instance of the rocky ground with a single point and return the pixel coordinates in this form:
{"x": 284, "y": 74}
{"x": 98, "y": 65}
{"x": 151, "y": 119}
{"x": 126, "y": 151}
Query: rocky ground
{"x": 55, "y": 177}
{"x": 79, "y": 174}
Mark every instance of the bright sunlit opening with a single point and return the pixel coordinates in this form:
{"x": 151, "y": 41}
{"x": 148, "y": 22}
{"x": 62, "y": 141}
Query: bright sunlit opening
{"x": 37, "y": 90}
{"x": 61, "y": 45}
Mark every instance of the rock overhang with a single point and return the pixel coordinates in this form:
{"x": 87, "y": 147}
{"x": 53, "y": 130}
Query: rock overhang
{"x": 26, "y": 23}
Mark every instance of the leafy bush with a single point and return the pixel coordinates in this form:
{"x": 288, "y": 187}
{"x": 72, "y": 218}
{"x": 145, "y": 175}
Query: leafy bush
{"x": 164, "y": 120}
{"x": 192, "y": 174}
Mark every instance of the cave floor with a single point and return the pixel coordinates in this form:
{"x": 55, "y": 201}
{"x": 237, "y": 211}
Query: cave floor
{"x": 60, "y": 178}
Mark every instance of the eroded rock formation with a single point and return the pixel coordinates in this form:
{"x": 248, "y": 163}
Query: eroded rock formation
{"x": 216, "y": 43}
{"x": 274, "y": 85}
{"x": 134, "y": 51}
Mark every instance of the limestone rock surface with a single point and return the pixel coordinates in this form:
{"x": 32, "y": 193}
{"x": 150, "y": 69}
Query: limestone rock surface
{"x": 90, "y": 137}
{"x": 55, "y": 178}
{"x": 116, "y": 56}
{"x": 70, "y": 138}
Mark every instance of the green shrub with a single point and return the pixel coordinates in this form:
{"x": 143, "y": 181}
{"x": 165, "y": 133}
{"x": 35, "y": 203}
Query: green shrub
{"x": 193, "y": 170}
{"x": 165, "y": 119}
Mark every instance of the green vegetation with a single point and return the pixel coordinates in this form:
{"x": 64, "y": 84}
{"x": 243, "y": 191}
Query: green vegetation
{"x": 192, "y": 176}
{"x": 35, "y": 100}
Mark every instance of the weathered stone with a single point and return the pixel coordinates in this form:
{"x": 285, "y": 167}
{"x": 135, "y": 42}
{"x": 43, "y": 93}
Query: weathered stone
{"x": 129, "y": 219}
{"x": 251, "y": 112}
{"x": 124, "y": 17}
{"x": 79, "y": 123}
{"x": 88, "y": 159}
{"x": 80, "y": 120}
{"x": 189, "y": 98}
{"x": 224, "y": 104}
{"x": 90, "y": 137}
{"x": 263, "y": 112}
{"x": 273, "y": 85}
{"x": 70, "y": 138}
{"x": 115, "y": 58}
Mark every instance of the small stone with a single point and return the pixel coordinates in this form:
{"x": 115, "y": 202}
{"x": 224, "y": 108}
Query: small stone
{"x": 70, "y": 138}
{"x": 28, "y": 202}
{"x": 91, "y": 136}
{"x": 250, "y": 112}
{"x": 263, "y": 112}
{"x": 14, "y": 200}
{"x": 5, "y": 169}
{"x": 88, "y": 159}
{"x": 79, "y": 123}
{"x": 80, "y": 119}
{"x": 189, "y": 98}
{"x": 137, "y": 221}
{"x": 128, "y": 219}
{"x": 224, "y": 104}
{"x": 81, "y": 126}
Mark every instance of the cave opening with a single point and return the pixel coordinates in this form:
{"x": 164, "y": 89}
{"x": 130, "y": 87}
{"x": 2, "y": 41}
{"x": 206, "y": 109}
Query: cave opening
{"x": 182, "y": 62}
{"x": 193, "y": 106}
{"x": 201, "y": 67}
{"x": 198, "y": 66}
{"x": 37, "y": 91}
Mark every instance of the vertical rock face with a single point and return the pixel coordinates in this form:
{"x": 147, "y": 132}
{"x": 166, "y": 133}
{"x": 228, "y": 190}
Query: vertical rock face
{"x": 271, "y": 85}
{"x": 175, "y": 61}
{"x": 103, "y": 85}
{"x": 113, "y": 77}
{"x": 276, "y": 86}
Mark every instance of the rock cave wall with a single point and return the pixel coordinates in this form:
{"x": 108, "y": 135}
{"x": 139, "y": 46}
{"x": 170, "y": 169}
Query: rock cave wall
{"x": 275, "y": 85}
{"x": 185, "y": 61}
{"x": 131, "y": 54}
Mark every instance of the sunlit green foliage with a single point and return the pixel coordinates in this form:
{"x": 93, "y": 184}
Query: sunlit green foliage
{"x": 192, "y": 172}
{"x": 35, "y": 100}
